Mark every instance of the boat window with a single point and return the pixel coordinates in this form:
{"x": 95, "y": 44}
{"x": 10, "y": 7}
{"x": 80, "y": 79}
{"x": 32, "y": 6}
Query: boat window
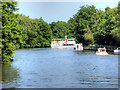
{"x": 68, "y": 44}
{"x": 70, "y": 40}
{"x": 103, "y": 50}
{"x": 77, "y": 46}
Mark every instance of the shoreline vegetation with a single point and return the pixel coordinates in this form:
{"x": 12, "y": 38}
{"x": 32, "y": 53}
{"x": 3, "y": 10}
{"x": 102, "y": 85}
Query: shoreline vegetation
{"x": 88, "y": 26}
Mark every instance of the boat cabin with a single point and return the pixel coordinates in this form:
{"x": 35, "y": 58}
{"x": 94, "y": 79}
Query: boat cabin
{"x": 101, "y": 49}
{"x": 78, "y": 47}
{"x": 56, "y": 43}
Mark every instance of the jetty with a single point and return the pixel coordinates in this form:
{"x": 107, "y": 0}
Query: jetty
{"x": 95, "y": 47}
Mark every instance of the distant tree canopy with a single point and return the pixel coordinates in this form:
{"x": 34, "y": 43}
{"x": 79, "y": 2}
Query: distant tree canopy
{"x": 35, "y": 32}
{"x": 88, "y": 26}
{"x": 103, "y": 26}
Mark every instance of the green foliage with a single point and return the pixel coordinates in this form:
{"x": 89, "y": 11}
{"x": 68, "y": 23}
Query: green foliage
{"x": 22, "y": 32}
{"x": 104, "y": 26}
{"x": 35, "y": 33}
{"x": 60, "y": 29}
{"x": 8, "y": 30}
{"x": 83, "y": 18}
{"x": 89, "y": 36}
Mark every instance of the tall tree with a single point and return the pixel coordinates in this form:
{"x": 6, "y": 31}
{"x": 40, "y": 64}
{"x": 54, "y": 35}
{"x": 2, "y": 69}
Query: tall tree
{"x": 46, "y": 33}
{"x": 9, "y": 33}
{"x": 82, "y": 19}
{"x": 60, "y": 29}
{"x": 116, "y": 31}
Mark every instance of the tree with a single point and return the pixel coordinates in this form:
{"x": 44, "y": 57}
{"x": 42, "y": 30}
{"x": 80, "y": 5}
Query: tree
{"x": 46, "y": 33}
{"x": 116, "y": 31}
{"x": 9, "y": 27}
{"x": 60, "y": 29}
{"x": 89, "y": 36}
{"x": 82, "y": 19}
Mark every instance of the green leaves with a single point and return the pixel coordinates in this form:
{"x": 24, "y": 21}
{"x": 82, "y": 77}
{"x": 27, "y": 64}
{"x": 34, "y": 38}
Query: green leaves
{"x": 8, "y": 29}
{"x": 21, "y": 32}
{"x": 86, "y": 16}
{"x": 60, "y": 29}
{"x": 89, "y": 35}
{"x": 34, "y": 31}
{"x": 103, "y": 25}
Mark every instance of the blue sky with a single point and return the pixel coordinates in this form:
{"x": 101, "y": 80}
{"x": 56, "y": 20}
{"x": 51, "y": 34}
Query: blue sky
{"x": 57, "y": 11}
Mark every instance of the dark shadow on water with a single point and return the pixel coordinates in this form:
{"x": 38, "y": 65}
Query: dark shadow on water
{"x": 10, "y": 76}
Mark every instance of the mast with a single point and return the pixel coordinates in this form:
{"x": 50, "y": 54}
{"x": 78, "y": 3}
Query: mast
{"x": 65, "y": 36}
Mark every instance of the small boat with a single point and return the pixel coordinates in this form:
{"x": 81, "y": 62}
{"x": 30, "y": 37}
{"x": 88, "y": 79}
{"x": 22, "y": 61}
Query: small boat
{"x": 117, "y": 50}
{"x": 78, "y": 47}
{"x": 101, "y": 51}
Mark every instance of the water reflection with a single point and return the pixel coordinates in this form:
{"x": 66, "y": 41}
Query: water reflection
{"x": 10, "y": 76}
{"x": 95, "y": 71}
{"x": 0, "y": 76}
{"x": 58, "y": 68}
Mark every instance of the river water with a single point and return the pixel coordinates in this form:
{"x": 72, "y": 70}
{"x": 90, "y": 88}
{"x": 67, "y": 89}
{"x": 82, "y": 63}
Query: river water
{"x": 60, "y": 68}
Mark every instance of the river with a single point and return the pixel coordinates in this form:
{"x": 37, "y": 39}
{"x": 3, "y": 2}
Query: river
{"x": 60, "y": 68}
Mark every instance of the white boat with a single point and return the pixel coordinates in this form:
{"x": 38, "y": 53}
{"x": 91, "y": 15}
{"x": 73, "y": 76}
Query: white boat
{"x": 101, "y": 51}
{"x": 117, "y": 50}
{"x": 78, "y": 47}
{"x": 63, "y": 43}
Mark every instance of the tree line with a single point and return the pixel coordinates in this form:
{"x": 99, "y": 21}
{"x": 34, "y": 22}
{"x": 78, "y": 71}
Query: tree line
{"x": 88, "y": 26}
{"x": 91, "y": 26}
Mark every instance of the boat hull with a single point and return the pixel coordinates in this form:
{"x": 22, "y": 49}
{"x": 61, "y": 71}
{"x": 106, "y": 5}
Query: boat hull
{"x": 101, "y": 53}
{"x": 78, "y": 47}
{"x": 60, "y": 47}
{"x": 116, "y": 51}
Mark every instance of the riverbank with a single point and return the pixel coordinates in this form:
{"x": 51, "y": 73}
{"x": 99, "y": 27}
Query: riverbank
{"x": 95, "y": 47}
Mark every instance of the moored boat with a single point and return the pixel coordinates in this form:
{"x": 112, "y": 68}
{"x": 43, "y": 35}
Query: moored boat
{"x": 78, "y": 47}
{"x": 117, "y": 50}
{"x": 63, "y": 43}
{"x": 101, "y": 51}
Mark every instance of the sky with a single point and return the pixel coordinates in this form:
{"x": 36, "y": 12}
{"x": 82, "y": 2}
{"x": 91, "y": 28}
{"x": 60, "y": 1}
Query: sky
{"x": 58, "y": 11}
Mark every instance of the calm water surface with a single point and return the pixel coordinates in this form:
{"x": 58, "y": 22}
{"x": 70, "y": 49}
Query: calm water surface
{"x": 60, "y": 68}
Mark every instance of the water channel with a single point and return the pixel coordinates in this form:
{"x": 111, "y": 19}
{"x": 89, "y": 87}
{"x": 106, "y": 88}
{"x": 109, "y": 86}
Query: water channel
{"x": 60, "y": 68}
